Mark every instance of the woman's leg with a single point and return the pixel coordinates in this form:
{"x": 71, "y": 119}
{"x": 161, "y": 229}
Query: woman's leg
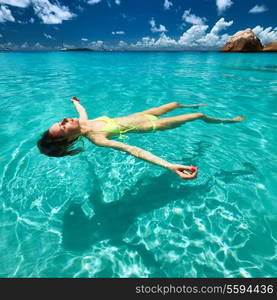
{"x": 173, "y": 122}
{"x": 161, "y": 110}
{"x": 209, "y": 119}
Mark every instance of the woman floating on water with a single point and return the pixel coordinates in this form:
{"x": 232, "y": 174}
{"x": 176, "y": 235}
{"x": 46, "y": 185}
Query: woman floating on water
{"x": 57, "y": 140}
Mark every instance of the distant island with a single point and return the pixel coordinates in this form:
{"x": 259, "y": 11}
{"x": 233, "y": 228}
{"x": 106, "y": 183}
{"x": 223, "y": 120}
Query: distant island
{"x": 6, "y": 49}
{"x": 75, "y": 49}
{"x": 247, "y": 41}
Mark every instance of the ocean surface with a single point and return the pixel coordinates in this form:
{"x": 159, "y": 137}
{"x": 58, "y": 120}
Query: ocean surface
{"x": 104, "y": 213}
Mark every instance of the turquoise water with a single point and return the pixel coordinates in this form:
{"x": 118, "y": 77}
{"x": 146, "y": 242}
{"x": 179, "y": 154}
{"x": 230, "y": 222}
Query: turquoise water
{"x": 103, "y": 213}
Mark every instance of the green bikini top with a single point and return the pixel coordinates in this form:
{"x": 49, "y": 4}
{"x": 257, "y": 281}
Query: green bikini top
{"x": 112, "y": 126}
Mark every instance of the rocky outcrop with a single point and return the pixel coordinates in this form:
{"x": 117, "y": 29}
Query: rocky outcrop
{"x": 243, "y": 41}
{"x": 270, "y": 47}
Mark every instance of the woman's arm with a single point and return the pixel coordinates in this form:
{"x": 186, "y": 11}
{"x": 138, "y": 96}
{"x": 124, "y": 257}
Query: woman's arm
{"x": 180, "y": 170}
{"x": 80, "y": 109}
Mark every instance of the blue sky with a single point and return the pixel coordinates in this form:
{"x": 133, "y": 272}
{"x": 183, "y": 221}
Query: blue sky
{"x": 133, "y": 24}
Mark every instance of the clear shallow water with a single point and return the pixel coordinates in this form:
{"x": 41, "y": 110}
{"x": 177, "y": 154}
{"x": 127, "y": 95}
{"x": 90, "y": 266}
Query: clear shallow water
{"x": 105, "y": 214}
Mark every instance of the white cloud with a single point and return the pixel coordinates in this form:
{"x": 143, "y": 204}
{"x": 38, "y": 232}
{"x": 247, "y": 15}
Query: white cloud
{"x": 5, "y": 15}
{"x": 96, "y": 45}
{"x": 17, "y": 3}
{"x": 122, "y": 44}
{"x": 48, "y": 36}
{"x": 192, "y": 19}
{"x": 258, "y": 9}
{"x": 117, "y": 2}
{"x": 145, "y": 42}
{"x": 84, "y": 39}
{"x": 118, "y": 32}
{"x": 156, "y": 29}
{"x": 32, "y": 20}
{"x": 167, "y": 4}
{"x": 197, "y": 37}
{"x": 266, "y": 35}
{"x": 165, "y": 41}
{"x": 25, "y": 46}
{"x": 38, "y": 46}
{"x": 192, "y": 35}
{"x": 222, "y": 5}
{"x": 51, "y": 13}
{"x": 221, "y": 25}
{"x": 92, "y": 2}
{"x": 213, "y": 39}
{"x": 22, "y": 22}
{"x": 150, "y": 43}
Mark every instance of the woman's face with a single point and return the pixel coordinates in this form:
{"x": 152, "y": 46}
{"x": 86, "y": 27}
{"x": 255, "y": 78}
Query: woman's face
{"x": 66, "y": 128}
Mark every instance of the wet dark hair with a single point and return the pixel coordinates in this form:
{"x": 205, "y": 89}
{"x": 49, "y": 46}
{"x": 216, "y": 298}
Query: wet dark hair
{"x": 50, "y": 146}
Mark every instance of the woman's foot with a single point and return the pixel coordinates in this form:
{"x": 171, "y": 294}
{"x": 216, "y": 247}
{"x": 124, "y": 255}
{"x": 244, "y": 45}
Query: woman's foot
{"x": 209, "y": 119}
{"x": 195, "y": 106}
{"x": 239, "y": 119}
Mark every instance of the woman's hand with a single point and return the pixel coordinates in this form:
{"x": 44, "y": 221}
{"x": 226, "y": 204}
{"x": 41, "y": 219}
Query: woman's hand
{"x": 181, "y": 171}
{"x": 74, "y": 99}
